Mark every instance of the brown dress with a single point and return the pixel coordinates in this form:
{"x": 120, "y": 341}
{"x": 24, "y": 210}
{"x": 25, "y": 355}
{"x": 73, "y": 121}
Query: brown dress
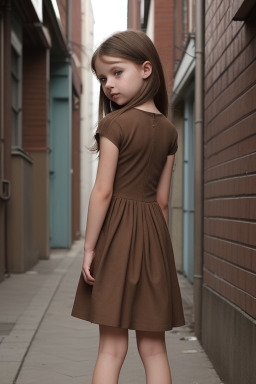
{"x": 136, "y": 284}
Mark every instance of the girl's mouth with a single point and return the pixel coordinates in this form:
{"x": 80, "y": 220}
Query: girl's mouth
{"x": 114, "y": 95}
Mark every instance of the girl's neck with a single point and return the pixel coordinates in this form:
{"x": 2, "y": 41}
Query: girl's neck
{"x": 148, "y": 106}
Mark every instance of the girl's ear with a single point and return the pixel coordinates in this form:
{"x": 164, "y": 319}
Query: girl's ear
{"x": 147, "y": 69}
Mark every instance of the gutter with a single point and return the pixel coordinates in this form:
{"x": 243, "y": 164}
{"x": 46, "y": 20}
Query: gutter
{"x": 185, "y": 70}
{"x": 199, "y": 166}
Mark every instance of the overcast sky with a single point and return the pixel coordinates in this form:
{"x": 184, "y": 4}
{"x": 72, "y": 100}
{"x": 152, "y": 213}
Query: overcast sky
{"x": 110, "y": 16}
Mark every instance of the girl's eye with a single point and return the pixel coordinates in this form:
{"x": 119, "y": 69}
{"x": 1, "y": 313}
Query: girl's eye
{"x": 102, "y": 79}
{"x": 118, "y": 73}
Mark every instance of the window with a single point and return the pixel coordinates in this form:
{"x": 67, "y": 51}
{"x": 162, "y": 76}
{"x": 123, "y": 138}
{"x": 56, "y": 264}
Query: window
{"x": 16, "y": 72}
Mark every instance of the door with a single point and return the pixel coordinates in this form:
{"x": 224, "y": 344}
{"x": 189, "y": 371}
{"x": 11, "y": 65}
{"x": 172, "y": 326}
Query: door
{"x": 60, "y": 175}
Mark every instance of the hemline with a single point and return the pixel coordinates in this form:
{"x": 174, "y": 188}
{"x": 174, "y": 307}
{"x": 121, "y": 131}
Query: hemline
{"x": 133, "y": 328}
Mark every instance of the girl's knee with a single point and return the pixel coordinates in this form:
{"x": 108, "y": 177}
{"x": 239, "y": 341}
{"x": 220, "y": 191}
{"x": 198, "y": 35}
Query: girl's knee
{"x": 150, "y": 343}
{"x": 113, "y": 341}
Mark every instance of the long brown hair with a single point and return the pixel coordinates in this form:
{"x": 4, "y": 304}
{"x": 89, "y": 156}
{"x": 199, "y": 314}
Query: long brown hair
{"x": 137, "y": 47}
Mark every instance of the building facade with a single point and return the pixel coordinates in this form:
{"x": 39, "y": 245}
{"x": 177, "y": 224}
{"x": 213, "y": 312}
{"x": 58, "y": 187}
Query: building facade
{"x": 41, "y": 86}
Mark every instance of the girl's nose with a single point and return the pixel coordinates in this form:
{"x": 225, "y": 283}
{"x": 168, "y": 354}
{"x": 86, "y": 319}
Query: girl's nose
{"x": 109, "y": 83}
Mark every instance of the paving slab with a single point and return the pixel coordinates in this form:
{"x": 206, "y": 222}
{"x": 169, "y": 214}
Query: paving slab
{"x": 24, "y": 300}
{"x": 63, "y": 349}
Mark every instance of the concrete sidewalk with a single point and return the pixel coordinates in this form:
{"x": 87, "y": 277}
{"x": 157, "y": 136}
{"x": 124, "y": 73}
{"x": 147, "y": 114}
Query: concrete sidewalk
{"x": 41, "y": 343}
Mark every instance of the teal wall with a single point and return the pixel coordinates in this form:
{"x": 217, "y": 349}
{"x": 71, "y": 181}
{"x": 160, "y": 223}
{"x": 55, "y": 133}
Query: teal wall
{"x": 188, "y": 187}
{"x": 60, "y": 155}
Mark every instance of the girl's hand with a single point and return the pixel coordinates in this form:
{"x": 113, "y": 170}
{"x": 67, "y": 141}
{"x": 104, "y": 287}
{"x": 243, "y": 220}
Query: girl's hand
{"x": 86, "y": 270}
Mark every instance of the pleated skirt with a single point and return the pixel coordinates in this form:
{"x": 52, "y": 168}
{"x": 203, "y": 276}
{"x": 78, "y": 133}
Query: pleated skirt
{"x": 136, "y": 285}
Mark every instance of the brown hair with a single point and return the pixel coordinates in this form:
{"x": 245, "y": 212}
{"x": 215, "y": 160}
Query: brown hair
{"x": 137, "y": 47}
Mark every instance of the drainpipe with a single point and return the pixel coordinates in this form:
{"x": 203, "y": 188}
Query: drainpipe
{"x": 199, "y": 166}
{"x": 134, "y": 14}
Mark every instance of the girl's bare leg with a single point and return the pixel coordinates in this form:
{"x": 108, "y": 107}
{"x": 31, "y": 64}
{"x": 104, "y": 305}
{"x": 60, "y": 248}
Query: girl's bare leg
{"x": 152, "y": 350}
{"x": 113, "y": 345}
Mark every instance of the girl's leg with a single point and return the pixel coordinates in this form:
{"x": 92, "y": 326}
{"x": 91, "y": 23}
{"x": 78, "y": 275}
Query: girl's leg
{"x": 152, "y": 350}
{"x": 113, "y": 345}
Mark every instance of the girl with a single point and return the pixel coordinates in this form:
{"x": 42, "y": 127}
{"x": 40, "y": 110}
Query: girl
{"x": 128, "y": 278}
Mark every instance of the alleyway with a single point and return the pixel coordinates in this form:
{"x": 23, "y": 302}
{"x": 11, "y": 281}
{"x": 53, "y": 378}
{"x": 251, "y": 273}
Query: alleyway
{"x": 41, "y": 343}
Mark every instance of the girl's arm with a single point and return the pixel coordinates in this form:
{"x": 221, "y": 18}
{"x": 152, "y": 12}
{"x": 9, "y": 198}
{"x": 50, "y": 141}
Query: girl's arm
{"x": 99, "y": 201}
{"x": 163, "y": 188}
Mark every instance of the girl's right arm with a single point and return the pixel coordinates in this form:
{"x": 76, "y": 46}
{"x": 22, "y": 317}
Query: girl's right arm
{"x": 99, "y": 201}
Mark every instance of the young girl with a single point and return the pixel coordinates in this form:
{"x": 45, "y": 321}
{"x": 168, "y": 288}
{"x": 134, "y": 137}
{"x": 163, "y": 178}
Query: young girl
{"x": 128, "y": 278}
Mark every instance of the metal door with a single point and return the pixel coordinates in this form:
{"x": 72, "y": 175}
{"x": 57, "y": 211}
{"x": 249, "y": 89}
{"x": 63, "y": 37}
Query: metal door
{"x": 60, "y": 183}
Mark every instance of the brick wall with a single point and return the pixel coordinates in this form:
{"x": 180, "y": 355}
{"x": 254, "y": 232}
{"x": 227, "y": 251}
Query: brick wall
{"x": 35, "y": 99}
{"x": 178, "y": 35}
{"x": 230, "y": 155}
{"x": 163, "y": 37}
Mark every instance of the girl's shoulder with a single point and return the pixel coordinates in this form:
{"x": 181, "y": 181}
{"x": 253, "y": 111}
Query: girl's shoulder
{"x": 111, "y": 129}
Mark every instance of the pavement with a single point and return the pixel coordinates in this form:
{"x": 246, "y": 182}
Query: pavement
{"x": 41, "y": 343}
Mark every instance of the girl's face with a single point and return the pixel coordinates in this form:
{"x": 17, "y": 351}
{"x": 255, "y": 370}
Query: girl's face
{"x": 121, "y": 79}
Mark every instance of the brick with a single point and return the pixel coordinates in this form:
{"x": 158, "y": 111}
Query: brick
{"x": 240, "y": 298}
{"x": 233, "y": 230}
{"x": 242, "y": 148}
{"x": 243, "y": 208}
{"x": 233, "y": 252}
{"x": 238, "y": 186}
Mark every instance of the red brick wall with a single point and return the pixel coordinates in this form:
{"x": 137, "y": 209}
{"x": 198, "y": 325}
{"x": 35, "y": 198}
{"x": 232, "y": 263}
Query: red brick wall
{"x": 230, "y": 158}
{"x": 35, "y": 99}
{"x": 178, "y": 32}
{"x": 163, "y": 37}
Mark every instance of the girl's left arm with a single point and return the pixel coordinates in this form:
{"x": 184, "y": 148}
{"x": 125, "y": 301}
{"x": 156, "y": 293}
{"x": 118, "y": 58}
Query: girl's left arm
{"x": 164, "y": 185}
{"x": 99, "y": 201}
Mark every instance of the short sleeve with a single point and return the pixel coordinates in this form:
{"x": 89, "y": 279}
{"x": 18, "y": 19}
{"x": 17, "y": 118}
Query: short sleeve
{"x": 111, "y": 130}
{"x": 173, "y": 147}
